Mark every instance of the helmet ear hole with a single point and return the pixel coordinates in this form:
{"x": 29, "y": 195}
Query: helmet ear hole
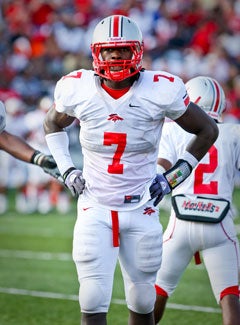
{"x": 117, "y": 31}
{"x": 208, "y": 94}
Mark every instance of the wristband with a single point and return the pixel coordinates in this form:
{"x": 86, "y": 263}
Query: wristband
{"x": 178, "y": 173}
{"x": 67, "y": 172}
{"x": 35, "y": 157}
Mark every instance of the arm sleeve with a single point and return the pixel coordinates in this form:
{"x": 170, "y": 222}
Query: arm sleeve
{"x": 58, "y": 144}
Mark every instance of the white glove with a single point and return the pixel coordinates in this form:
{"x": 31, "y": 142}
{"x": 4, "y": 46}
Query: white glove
{"x": 74, "y": 181}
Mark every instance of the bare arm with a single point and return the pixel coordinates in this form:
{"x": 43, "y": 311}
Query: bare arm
{"x": 203, "y": 126}
{"x": 21, "y": 150}
{"x": 58, "y": 144}
{"x": 196, "y": 121}
{"x": 16, "y": 147}
{"x": 56, "y": 122}
{"x": 164, "y": 163}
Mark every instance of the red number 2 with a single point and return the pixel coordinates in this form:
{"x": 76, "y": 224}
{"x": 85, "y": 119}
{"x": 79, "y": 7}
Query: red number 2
{"x": 120, "y": 139}
{"x": 212, "y": 186}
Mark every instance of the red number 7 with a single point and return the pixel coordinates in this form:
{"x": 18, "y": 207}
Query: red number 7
{"x": 120, "y": 139}
{"x": 157, "y": 76}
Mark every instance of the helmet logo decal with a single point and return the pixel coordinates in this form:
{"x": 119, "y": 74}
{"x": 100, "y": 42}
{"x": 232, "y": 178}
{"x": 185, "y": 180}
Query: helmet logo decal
{"x": 116, "y": 39}
{"x": 197, "y": 100}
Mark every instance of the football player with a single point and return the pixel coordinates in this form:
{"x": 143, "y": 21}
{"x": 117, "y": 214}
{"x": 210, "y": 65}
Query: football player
{"x": 121, "y": 109}
{"x": 201, "y": 218}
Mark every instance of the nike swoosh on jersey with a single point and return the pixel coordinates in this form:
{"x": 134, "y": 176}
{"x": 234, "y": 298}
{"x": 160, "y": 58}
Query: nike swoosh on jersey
{"x": 131, "y": 105}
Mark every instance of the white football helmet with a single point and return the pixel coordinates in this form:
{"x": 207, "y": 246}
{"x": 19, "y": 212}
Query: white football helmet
{"x": 207, "y": 93}
{"x": 117, "y": 31}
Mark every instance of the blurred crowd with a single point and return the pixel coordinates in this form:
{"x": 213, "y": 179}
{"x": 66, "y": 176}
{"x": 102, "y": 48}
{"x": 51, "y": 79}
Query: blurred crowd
{"x": 41, "y": 40}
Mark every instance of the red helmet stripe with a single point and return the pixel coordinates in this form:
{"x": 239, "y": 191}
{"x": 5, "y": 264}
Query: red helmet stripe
{"x": 116, "y": 26}
{"x": 217, "y": 91}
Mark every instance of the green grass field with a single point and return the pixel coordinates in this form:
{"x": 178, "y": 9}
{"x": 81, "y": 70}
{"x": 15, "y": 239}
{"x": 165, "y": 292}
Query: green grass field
{"x": 38, "y": 281}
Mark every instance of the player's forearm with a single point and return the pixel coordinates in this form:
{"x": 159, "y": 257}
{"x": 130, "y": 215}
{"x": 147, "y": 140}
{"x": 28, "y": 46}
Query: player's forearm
{"x": 16, "y": 147}
{"x": 197, "y": 122}
{"x": 202, "y": 142}
{"x": 163, "y": 165}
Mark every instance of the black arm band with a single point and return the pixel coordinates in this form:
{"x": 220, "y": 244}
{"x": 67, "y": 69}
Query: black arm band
{"x": 67, "y": 172}
{"x": 35, "y": 157}
{"x": 178, "y": 173}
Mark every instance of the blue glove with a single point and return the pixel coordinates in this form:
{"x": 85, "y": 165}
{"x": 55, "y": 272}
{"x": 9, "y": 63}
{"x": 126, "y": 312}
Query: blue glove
{"x": 74, "y": 181}
{"x": 159, "y": 188}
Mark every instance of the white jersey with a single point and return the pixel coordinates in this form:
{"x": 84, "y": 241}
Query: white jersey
{"x": 120, "y": 137}
{"x": 214, "y": 175}
{"x": 2, "y": 117}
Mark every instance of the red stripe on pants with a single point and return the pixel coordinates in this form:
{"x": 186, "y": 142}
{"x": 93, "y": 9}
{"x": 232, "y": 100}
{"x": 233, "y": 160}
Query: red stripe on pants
{"x": 115, "y": 228}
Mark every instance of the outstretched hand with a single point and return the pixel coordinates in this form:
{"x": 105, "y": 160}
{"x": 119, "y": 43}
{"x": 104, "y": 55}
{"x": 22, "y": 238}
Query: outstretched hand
{"x": 48, "y": 164}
